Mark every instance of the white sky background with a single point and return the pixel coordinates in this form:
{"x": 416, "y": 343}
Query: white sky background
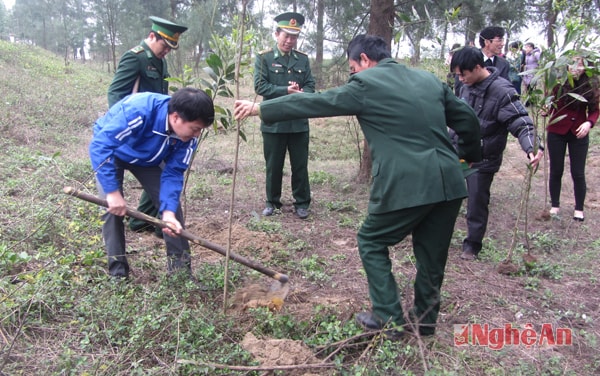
{"x": 532, "y": 35}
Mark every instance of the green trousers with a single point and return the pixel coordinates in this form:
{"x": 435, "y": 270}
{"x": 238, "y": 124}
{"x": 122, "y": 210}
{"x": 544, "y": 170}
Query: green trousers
{"x": 275, "y": 147}
{"x": 431, "y": 227}
{"x": 147, "y": 207}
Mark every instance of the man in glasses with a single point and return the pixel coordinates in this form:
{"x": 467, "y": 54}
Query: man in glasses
{"x": 491, "y": 40}
{"x": 144, "y": 68}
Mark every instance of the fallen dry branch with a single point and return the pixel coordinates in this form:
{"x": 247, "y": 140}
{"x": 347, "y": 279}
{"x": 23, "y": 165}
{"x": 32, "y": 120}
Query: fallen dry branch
{"x": 258, "y": 368}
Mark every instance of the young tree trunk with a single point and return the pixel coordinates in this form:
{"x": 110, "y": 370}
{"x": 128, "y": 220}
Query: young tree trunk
{"x": 318, "y": 66}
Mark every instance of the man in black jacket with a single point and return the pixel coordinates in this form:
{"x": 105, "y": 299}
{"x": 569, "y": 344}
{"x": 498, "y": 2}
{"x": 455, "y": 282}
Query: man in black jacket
{"x": 499, "y": 110}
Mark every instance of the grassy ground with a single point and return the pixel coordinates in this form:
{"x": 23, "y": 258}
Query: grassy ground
{"x": 60, "y": 313}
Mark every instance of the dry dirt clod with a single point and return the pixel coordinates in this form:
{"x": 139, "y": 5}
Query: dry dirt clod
{"x": 276, "y": 352}
{"x": 507, "y": 268}
{"x": 255, "y": 295}
{"x": 545, "y": 216}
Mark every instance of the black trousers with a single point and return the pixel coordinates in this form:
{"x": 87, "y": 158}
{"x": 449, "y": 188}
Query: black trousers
{"x": 478, "y": 186}
{"x": 578, "y": 149}
{"x": 113, "y": 229}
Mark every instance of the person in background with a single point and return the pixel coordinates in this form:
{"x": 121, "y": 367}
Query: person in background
{"x": 153, "y": 136}
{"x": 500, "y": 112}
{"x": 574, "y": 111}
{"x": 516, "y": 59}
{"x": 280, "y": 71}
{"x": 491, "y": 40}
{"x": 418, "y": 183}
{"x": 144, "y": 69}
{"x": 532, "y": 59}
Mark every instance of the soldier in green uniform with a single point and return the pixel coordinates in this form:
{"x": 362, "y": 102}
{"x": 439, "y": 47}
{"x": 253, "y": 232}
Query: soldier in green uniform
{"x": 417, "y": 179}
{"x": 144, "y": 68}
{"x": 280, "y": 71}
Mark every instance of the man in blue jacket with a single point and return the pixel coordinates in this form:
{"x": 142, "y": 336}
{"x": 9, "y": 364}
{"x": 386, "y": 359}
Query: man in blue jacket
{"x": 144, "y": 68}
{"x": 418, "y": 183}
{"x": 137, "y": 134}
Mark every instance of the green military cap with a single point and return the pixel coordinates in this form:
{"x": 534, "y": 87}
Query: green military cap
{"x": 169, "y": 31}
{"x": 290, "y": 22}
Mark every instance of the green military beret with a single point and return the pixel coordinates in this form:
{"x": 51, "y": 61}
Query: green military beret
{"x": 168, "y": 30}
{"x": 290, "y": 22}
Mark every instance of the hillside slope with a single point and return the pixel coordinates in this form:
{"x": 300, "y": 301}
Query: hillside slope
{"x": 61, "y": 314}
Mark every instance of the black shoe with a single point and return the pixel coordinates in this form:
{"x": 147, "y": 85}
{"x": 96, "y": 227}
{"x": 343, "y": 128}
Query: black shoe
{"x": 268, "y": 211}
{"x": 468, "y": 255}
{"x": 302, "y": 213}
{"x": 470, "y": 250}
{"x": 370, "y": 322}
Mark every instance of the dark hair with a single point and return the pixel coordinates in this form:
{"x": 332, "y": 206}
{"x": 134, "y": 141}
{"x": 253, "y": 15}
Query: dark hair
{"x": 490, "y": 33}
{"x": 466, "y": 58}
{"x": 530, "y": 44}
{"x": 192, "y": 104}
{"x": 371, "y": 45}
{"x": 516, "y": 44}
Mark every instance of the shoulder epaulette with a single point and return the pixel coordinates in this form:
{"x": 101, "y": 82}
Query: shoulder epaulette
{"x": 301, "y": 52}
{"x": 137, "y": 49}
{"x": 265, "y": 51}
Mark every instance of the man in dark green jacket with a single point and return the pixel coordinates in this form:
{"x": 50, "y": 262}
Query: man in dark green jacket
{"x": 280, "y": 71}
{"x": 144, "y": 68}
{"x": 418, "y": 183}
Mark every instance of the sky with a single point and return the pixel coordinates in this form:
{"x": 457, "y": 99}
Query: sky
{"x": 532, "y": 35}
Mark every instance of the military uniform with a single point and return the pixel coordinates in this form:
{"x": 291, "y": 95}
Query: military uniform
{"x": 273, "y": 71}
{"x": 418, "y": 183}
{"x": 140, "y": 69}
{"x": 140, "y": 62}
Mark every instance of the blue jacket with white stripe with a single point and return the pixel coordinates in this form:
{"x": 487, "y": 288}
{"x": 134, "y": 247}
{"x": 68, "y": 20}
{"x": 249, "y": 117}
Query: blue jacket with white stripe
{"x": 136, "y": 131}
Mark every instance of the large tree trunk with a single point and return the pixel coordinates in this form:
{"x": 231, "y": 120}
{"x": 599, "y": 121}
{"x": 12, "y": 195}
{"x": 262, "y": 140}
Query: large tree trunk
{"x": 381, "y": 19}
{"x": 381, "y": 23}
